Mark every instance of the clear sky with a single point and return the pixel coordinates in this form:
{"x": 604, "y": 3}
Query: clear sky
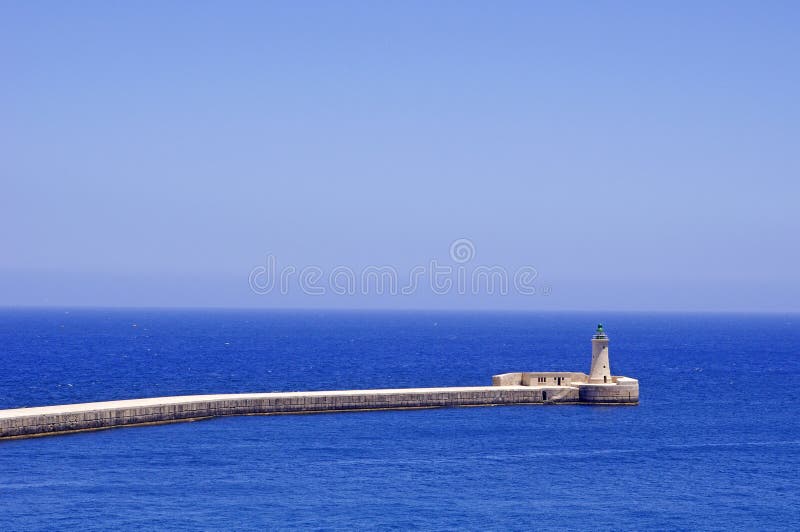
{"x": 639, "y": 155}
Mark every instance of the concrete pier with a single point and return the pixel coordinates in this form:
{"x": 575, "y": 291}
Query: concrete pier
{"x": 39, "y": 421}
{"x": 600, "y": 387}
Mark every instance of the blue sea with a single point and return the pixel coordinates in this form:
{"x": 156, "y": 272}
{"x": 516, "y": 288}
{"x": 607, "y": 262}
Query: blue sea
{"x": 714, "y": 444}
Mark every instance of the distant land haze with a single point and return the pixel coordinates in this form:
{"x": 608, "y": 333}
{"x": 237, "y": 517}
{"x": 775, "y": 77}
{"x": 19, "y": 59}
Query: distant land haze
{"x": 100, "y": 290}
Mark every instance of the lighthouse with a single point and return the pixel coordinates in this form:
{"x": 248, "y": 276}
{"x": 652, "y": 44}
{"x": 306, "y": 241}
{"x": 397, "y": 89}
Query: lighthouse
{"x": 601, "y": 369}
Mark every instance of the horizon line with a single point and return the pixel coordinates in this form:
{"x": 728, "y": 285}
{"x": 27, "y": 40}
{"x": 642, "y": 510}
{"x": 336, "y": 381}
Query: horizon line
{"x": 223, "y": 308}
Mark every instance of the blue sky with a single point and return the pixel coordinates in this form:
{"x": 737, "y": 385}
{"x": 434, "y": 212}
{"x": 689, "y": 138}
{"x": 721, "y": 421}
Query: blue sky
{"x": 639, "y": 155}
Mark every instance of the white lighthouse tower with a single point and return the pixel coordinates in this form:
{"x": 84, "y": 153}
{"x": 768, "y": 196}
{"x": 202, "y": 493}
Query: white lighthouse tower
{"x": 601, "y": 369}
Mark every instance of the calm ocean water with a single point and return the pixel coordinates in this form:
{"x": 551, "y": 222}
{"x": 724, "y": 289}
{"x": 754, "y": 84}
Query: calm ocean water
{"x": 714, "y": 444}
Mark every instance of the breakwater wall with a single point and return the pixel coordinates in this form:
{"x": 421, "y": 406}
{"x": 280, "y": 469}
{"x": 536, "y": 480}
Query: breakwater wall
{"x": 39, "y": 421}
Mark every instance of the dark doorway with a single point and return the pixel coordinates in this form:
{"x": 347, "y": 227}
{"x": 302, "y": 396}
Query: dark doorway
{"x": 544, "y": 396}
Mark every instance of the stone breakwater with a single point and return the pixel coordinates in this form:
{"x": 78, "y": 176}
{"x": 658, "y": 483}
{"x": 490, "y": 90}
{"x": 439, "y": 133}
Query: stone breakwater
{"x": 598, "y": 387}
{"x": 45, "y": 420}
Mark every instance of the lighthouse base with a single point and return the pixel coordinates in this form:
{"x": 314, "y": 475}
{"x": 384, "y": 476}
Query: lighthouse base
{"x": 575, "y": 387}
{"x": 625, "y": 390}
